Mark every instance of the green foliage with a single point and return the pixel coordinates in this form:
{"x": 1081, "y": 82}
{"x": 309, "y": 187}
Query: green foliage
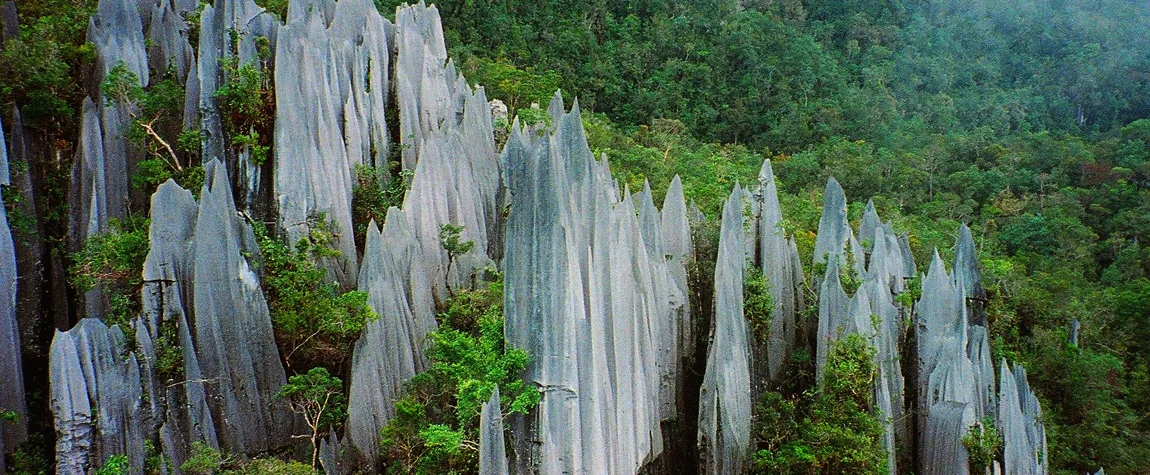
{"x": 436, "y": 425}
{"x": 206, "y": 460}
{"x": 114, "y": 261}
{"x": 832, "y": 429}
{"x": 758, "y": 303}
{"x": 450, "y": 237}
{"x": 9, "y": 416}
{"x": 518, "y": 88}
{"x": 246, "y": 100}
{"x": 169, "y": 364}
{"x": 371, "y": 198}
{"x": 115, "y": 465}
{"x": 983, "y": 445}
{"x": 155, "y": 114}
{"x": 314, "y": 321}
{"x": 318, "y": 398}
{"x": 40, "y": 69}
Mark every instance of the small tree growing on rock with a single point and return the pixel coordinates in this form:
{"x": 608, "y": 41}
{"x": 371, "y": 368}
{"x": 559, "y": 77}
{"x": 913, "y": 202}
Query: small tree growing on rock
{"x": 318, "y": 397}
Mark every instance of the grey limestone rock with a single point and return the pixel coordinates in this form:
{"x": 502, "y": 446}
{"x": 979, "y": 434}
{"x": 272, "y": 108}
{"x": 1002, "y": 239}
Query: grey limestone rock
{"x": 331, "y": 91}
{"x": 779, "y": 262}
{"x": 182, "y": 413}
{"x": 967, "y": 275}
{"x": 1020, "y": 422}
{"x": 868, "y": 226}
{"x": 390, "y": 350}
{"x": 233, "y": 332}
{"x": 725, "y": 397}
{"x": 117, "y": 31}
{"x": 96, "y": 398}
{"x": 11, "y": 367}
{"x": 834, "y": 232}
{"x": 942, "y": 452}
{"x": 582, "y": 284}
{"x": 492, "y": 455}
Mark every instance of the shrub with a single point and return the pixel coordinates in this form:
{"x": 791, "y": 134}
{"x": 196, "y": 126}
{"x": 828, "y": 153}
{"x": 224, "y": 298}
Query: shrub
{"x": 832, "y": 429}
{"x": 982, "y": 444}
{"x": 314, "y": 322}
{"x": 435, "y": 429}
{"x": 758, "y": 303}
{"x": 318, "y": 397}
{"x": 114, "y": 261}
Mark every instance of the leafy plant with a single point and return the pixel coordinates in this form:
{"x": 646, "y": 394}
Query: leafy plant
{"x": 206, "y": 460}
{"x": 116, "y": 465}
{"x": 314, "y": 321}
{"x": 247, "y": 100}
{"x": 436, "y": 425}
{"x": 832, "y": 429}
{"x": 155, "y": 118}
{"x": 450, "y": 237}
{"x": 318, "y": 398}
{"x": 370, "y": 198}
{"x": 758, "y": 303}
{"x": 983, "y": 445}
{"x": 114, "y": 260}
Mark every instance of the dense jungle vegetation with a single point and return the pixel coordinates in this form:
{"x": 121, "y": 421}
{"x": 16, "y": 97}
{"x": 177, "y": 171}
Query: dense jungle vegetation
{"x": 1027, "y": 119}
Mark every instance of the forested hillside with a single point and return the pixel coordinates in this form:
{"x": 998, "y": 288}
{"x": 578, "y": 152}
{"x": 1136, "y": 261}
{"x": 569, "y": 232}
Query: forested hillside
{"x": 1028, "y": 120}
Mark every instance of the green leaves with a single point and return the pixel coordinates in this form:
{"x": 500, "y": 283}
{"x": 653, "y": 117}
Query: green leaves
{"x": 114, "y": 260}
{"x": 758, "y": 304}
{"x": 315, "y": 323}
{"x": 828, "y": 430}
{"x": 436, "y": 425}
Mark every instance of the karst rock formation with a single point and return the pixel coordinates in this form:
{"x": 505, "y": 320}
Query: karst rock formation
{"x": 597, "y": 276}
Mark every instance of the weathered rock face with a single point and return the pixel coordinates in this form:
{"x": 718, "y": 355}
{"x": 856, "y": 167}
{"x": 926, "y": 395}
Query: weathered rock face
{"x": 725, "y": 397}
{"x": 447, "y": 137}
{"x": 331, "y": 91}
{"x": 588, "y": 299}
{"x": 233, "y": 332}
{"x": 1020, "y": 423}
{"x": 181, "y": 412}
{"x": 217, "y": 45}
{"x": 11, "y": 367}
{"x": 779, "y": 260}
{"x": 675, "y": 232}
{"x": 96, "y": 398}
{"x": 492, "y": 455}
{"x": 390, "y": 351}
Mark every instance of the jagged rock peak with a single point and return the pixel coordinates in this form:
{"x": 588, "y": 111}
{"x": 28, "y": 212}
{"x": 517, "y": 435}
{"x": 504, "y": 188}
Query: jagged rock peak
{"x": 233, "y": 332}
{"x": 390, "y": 350}
{"x": 570, "y": 243}
{"x": 967, "y": 275}
{"x": 834, "y": 231}
{"x": 725, "y": 396}
{"x": 11, "y": 366}
{"x": 96, "y": 397}
{"x": 492, "y": 455}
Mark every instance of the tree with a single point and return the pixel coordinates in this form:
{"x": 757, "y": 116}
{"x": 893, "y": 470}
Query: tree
{"x": 318, "y": 397}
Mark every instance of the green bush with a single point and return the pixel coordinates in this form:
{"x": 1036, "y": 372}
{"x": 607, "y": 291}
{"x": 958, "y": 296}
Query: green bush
{"x": 318, "y": 398}
{"x": 247, "y": 100}
{"x": 114, "y": 260}
{"x": 116, "y": 465}
{"x": 437, "y": 417}
{"x": 758, "y": 304}
{"x": 206, "y": 460}
{"x": 314, "y": 321}
{"x": 983, "y": 445}
{"x": 370, "y": 198}
{"x": 832, "y": 429}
